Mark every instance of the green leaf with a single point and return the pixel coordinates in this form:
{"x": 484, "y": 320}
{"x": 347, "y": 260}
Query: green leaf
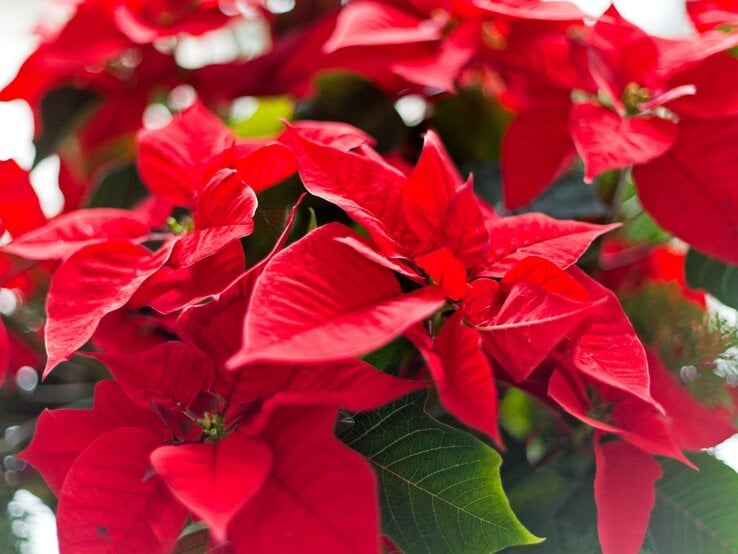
{"x": 717, "y": 278}
{"x": 264, "y": 121}
{"x": 440, "y": 488}
{"x": 695, "y": 512}
{"x": 193, "y": 543}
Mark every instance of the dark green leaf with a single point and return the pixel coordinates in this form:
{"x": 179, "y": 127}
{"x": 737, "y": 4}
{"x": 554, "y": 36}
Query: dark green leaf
{"x": 61, "y": 110}
{"x": 193, "y": 543}
{"x": 440, "y": 488}
{"x": 717, "y": 278}
{"x": 695, "y": 512}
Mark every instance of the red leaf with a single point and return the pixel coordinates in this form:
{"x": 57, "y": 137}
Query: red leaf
{"x": 171, "y": 289}
{"x": 608, "y": 349}
{"x": 428, "y": 191}
{"x": 94, "y": 281}
{"x": 464, "y": 229}
{"x": 517, "y": 237}
{"x": 320, "y": 300}
{"x": 540, "y": 135}
{"x": 624, "y": 492}
{"x": 445, "y": 271}
{"x": 175, "y": 162}
{"x": 62, "y": 435}
{"x": 543, "y": 305}
{"x": 464, "y": 377}
{"x": 20, "y": 210}
{"x": 171, "y": 373}
{"x": 353, "y": 384}
{"x": 696, "y": 177}
{"x": 265, "y": 166}
{"x": 224, "y": 212}
{"x": 108, "y": 503}
{"x": 68, "y": 233}
{"x": 367, "y": 189}
{"x": 370, "y": 23}
{"x": 713, "y": 98}
{"x": 606, "y": 141}
{"x": 320, "y": 495}
{"x": 214, "y": 479}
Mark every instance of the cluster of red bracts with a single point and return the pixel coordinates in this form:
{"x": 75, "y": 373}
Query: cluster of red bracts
{"x": 229, "y": 374}
{"x": 228, "y": 415}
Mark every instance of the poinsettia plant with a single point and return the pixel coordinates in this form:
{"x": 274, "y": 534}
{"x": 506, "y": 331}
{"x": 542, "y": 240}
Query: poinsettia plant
{"x": 279, "y": 313}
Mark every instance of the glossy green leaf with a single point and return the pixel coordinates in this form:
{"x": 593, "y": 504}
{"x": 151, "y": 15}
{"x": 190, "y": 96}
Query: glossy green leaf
{"x": 440, "y": 487}
{"x": 695, "y": 512}
{"x": 717, "y": 278}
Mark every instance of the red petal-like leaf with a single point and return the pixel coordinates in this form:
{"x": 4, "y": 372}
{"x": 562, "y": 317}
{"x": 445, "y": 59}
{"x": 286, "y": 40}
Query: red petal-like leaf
{"x": 215, "y": 479}
{"x": 536, "y": 149}
{"x": 171, "y": 289}
{"x": 464, "y": 229}
{"x": 427, "y": 192}
{"x": 110, "y": 503}
{"x": 224, "y": 213}
{"x": 696, "y": 177}
{"x": 68, "y": 233}
{"x": 20, "y": 210}
{"x": 94, "y": 281}
{"x": 625, "y": 496}
{"x": 176, "y": 161}
{"x": 370, "y": 23}
{"x": 543, "y": 305}
{"x": 559, "y": 241}
{"x": 464, "y": 377}
{"x": 320, "y": 300}
{"x": 170, "y": 373}
{"x": 368, "y": 190}
{"x": 320, "y": 495}
{"x": 606, "y": 141}
{"x": 608, "y": 349}
{"x": 353, "y": 384}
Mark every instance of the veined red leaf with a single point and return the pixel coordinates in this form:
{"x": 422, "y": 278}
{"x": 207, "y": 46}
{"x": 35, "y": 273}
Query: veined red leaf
{"x": 536, "y": 149}
{"x": 66, "y": 234}
{"x": 320, "y": 300}
{"x": 170, "y": 373}
{"x": 108, "y": 503}
{"x": 559, "y": 241}
{"x": 625, "y": 496}
{"x": 176, "y": 161}
{"x": 696, "y": 177}
{"x": 542, "y": 306}
{"x": 605, "y": 140}
{"x": 464, "y": 377}
{"x": 224, "y": 212}
{"x": 464, "y": 229}
{"x": 92, "y": 282}
{"x": 351, "y": 384}
{"x": 214, "y": 480}
{"x": 367, "y": 189}
{"x": 428, "y": 190}
{"x": 370, "y": 23}
{"x": 20, "y": 210}
{"x": 320, "y": 495}
{"x": 608, "y": 349}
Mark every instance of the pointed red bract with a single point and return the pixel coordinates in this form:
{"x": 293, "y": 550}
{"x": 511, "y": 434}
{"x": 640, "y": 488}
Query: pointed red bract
{"x": 176, "y": 161}
{"x": 606, "y": 141}
{"x": 319, "y": 300}
{"x": 700, "y": 174}
{"x": 110, "y": 498}
{"x": 20, "y": 210}
{"x": 68, "y": 233}
{"x": 94, "y": 281}
{"x": 464, "y": 377}
{"x": 172, "y": 373}
{"x": 625, "y": 496}
{"x": 319, "y": 496}
{"x": 559, "y": 241}
{"x": 214, "y": 480}
{"x": 61, "y": 436}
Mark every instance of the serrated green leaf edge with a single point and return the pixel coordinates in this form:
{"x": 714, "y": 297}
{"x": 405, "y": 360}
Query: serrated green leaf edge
{"x": 426, "y": 468}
